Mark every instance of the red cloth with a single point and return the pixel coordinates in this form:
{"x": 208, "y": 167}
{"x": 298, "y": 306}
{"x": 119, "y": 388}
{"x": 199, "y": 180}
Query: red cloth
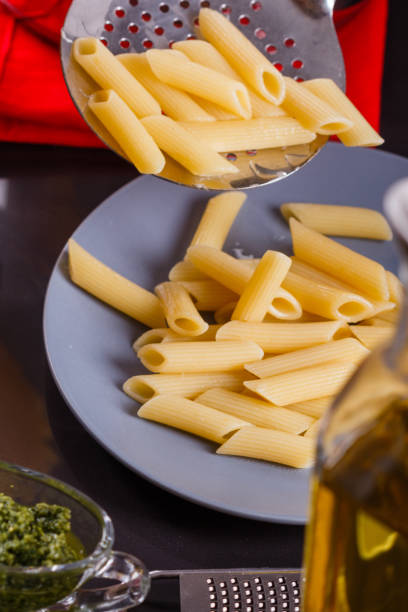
{"x": 35, "y": 106}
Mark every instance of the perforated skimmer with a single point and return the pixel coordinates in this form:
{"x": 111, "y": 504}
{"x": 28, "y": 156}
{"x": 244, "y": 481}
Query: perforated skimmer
{"x": 296, "y": 35}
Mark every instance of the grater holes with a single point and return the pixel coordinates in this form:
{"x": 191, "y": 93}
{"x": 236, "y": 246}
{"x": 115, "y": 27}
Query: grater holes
{"x": 120, "y": 12}
{"x": 177, "y": 23}
{"x": 171, "y": 43}
{"x": 204, "y": 4}
{"x": 164, "y": 7}
{"x": 159, "y": 31}
{"x": 147, "y": 43}
{"x": 260, "y": 33}
{"x": 297, "y": 64}
{"x": 124, "y": 43}
{"x": 244, "y": 20}
{"x": 231, "y": 157}
{"x": 108, "y": 26}
{"x": 184, "y": 4}
{"x": 225, "y": 9}
{"x": 270, "y": 49}
{"x": 146, "y": 16}
{"x": 196, "y": 22}
{"x": 133, "y": 2}
{"x": 289, "y": 42}
{"x": 104, "y": 41}
{"x": 133, "y": 28}
{"x": 191, "y": 37}
{"x": 299, "y": 79}
{"x": 256, "y": 5}
{"x": 278, "y": 66}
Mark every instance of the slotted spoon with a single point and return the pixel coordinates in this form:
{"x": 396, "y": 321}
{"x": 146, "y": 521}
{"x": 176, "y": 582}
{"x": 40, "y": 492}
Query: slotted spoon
{"x": 298, "y": 36}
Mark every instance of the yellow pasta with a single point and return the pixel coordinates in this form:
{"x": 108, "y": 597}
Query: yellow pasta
{"x": 109, "y": 73}
{"x": 270, "y": 445}
{"x": 313, "y": 430}
{"x": 301, "y": 385}
{"x": 285, "y": 306}
{"x": 346, "y": 349}
{"x": 145, "y": 386}
{"x": 107, "y": 285}
{"x": 312, "y": 112}
{"x": 377, "y": 322}
{"x": 184, "y": 148}
{"x": 179, "y": 309}
{"x": 327, "y": 302}
{"x": 391, "y": 316}
{"x": 203, "y": 52}
{"x": 372, "y": 336}
{"x": 314, "y": 408}
{"x": 243, "y": 56}
{"x": 174, "y": 357}
{"x": 223, "y": 313}
{"x": 128, "y": 131}
{"x": 185, "y": 271}
{"x": 255, "y": 411}
{"x": 339, "y": 220}
{"x": 207, "y": 335}
{"x": 217, "y": 219}
{"x": 190, "y": 416}
{"x": 175, "y": 103}
{"x": 364, "y": 274}
{"x": 153, "y": 336}
{"x": 361, "y": 133}
{"x": 396, "y": 288}
{"x": 208, "y": 294}
{"x": 240, "y": 135}
{"x": 174, "y": 68}
{"x": 281, "y": 337}
{"x": 262, "y": 287}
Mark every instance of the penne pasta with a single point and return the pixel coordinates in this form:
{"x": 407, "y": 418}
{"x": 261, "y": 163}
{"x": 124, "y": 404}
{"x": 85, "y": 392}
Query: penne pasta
{"x": 181, "y": 314}
{"x": 207, "y": 335}
{"x": 174, "y": 357}
{"x": 217, "y": 219}
{"x": 301, "y": 385}
{"x": 313, "y": 430}
{"x": 153, "y": 336}
{"x": 312, "y": 112}
{"x": 361, "y": 133}
{"x": 377, "y": 322}
{"x": 285, "y": 306}
{"x": 243, "y": 135}
{"x": 262, "y": 287}
{"x": 107, "y": 285}
{"x": 175, "y": 103}
{"x": 185, "y": 271}
{"x": 314, "y": 408}
{"x": 145, "y": 386}
{"x": 174, "y": 68}
{"x": 391, "y": 316}
{"x": 396, "y": 288}
{"x": 346, "y": 349}
{"x": 183, "y": 147}
{"x": 242, "y": 55}
{"x": 372, "y": 336}
{"x": 360, "y": 272}
{"x": 208, "y": 294}
{"x": 255, "y": 411}
{"x": 281, "y": 337}
{"x": 223, "y": 313}
{"x": 128, "y": 131}
{"x": 190, "y": 416}
{"x": 108, "y": 73}
{"x": 270, "y": 445}
{"x": 339, "y": 220}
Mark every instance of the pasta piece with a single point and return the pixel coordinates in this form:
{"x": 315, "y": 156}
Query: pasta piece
{"x": 223, "y": 313}
{"x": 339, "y": 220}
{"x": 175, "y": 103}
{"x": 184, "y": 148}
{"x": 361, "y": 133}
{"x": 217, "y": 219}
{"x": 218, "y": 113}
{"x": 145, "y": 386}
{"x": 377, "y": 322}
{"x": 109, "y": 73}
{"x": 107, "y": 285}
{"x": 390, "y": 317}
{"x": 327, "y": 301}
{"x": 190, "y": 416}
{"x": 313, "y": 430}
{"x": 153, "y": 336}
{"x": 204, "y": 53}
{"x": 270, "y": 445}
{"x": 333, "y": 258}
{"x": 255, "y": 411}
{"x": 281, "y": 337}
{"x": 128, "y": 131}
{"x": 239, "y": 135}
{"x": 395, "y": 287}
{"x": 301, "y": 385}
{"x": 185, "y": 271}
{"x": 372, "y": 336}
{"x": 179, "y": 309}
{"x": 175, "y": 357}
{"x": 314, "y": 408}
{"x": 347, "y": 349}
{"x": 243, "y": 56}
{"x": 220, "y": 266}
{"x": 174, "y": 68}
{"x": 312, "y": 112}
{"x": 208, "y": 294}
{"x": 207, "y": 335}
{"x": 262, "y": 287}
{"x": 285, "y": 306}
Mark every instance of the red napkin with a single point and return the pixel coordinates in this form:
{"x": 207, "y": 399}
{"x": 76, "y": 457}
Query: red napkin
{"x": 35, "y": 106}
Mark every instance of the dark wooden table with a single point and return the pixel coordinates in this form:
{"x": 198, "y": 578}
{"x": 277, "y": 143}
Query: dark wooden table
{"x": 45, "y": 192}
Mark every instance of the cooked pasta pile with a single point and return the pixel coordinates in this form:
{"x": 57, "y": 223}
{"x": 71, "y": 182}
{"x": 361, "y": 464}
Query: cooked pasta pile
{"x": 288, "y": 331}
{"x": 206, "y": 97}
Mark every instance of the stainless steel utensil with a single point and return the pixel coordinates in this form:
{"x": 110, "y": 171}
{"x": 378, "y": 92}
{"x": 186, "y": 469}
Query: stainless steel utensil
{"x": 296, "y": 35}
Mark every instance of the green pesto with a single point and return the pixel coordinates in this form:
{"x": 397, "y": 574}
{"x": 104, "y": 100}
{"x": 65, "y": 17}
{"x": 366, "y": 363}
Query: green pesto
{"x": 36, "y": 536}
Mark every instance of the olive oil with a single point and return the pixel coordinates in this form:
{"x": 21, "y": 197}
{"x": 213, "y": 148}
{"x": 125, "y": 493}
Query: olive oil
{"x": 356, "y": 555}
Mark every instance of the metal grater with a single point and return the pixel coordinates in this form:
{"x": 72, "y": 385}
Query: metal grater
{"x": 237, "y": 590}
{"x": 296, "y": 35}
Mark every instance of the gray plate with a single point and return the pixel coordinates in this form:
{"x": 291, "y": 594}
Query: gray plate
{"x": 140, "y": 231}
